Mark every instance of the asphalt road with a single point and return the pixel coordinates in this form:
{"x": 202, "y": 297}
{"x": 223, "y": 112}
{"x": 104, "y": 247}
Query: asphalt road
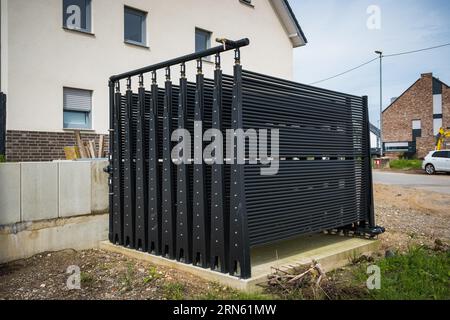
{"x": 436, "y": 183}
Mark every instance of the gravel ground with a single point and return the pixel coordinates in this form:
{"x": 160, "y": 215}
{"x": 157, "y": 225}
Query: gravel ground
{"x": 409, "y": 216}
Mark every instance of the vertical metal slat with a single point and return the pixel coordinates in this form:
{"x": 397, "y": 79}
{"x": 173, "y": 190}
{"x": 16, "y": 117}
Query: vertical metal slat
{"x": 200, "y": 219}
{"x": 129, "y": 203}
{"x": 184, "y": 216}
{"x": 117, "y": 208}
{"x": 168, "y": 197}
{"x": 141, "y": 188}
{"x": 219, "y": 221}
{"x": 367, "y": 164}
{"x": 110, "y": 165}
{"x": 239, "y": 242}
{"x": 154, "y": 187}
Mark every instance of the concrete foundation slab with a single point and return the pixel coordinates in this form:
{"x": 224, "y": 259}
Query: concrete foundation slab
{"x": 24, "y": 240}
{"x": 331, "y": 251}
{"x": 9, "y": 193}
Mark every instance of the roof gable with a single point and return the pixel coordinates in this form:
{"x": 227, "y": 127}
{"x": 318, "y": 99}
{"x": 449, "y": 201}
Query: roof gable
{"x": 289, "y": 22}
{"x": 435, "y": 81}
{"x": 400, "y": 96}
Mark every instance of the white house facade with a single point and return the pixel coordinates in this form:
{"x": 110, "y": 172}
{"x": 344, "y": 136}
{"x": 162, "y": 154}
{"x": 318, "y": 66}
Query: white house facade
{"x": 57, "y": 56}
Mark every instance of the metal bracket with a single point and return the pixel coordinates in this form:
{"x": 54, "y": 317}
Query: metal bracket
{"x": 361, "y": 231}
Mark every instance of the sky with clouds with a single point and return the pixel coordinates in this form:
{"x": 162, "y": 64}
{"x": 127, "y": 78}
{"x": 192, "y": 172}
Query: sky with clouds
{"x": 339, "y": 39}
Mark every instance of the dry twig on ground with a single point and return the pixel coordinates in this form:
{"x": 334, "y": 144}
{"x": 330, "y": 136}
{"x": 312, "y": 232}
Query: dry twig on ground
{"x": 295, "y": 278}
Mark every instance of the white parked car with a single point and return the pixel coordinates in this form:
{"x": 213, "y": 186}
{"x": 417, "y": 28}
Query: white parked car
{"x": 437, "y": 161}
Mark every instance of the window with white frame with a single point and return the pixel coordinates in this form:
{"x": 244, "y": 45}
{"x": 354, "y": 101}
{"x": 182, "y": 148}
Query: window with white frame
{"x": 437, "y": 113}
{"x": 417, "y": 125}
{"x": 77, "y": 15}
{"x": 77, "y": 108}
{"x": 396, "y": 146}
{"x": 417, "y": 129}
{"x": 437, "y": 125}
{"x": 135, "y": 26}
{"x": 437, "y": 103}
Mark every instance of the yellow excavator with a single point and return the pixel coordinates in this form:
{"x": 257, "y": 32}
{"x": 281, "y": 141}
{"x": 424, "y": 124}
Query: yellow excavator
{"x": 441, "y": 138}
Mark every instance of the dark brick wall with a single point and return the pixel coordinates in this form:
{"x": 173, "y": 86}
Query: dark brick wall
{"x": 25, "y": 146}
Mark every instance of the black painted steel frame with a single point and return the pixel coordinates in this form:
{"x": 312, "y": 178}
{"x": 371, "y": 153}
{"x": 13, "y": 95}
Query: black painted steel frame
{"x": 2, "y": 124}
{"x": 219, "y": 221}
{"x": 212, "y": 215}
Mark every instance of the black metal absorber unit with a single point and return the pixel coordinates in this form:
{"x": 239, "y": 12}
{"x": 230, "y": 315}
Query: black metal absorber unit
{"x": 212, "y": 214}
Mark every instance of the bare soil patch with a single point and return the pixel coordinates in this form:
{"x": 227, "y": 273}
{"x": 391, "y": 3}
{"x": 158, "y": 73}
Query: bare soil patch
{"x": 104, "y": 275}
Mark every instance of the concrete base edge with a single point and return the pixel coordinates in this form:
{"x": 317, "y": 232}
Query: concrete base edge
{"x": 329, "y": 258}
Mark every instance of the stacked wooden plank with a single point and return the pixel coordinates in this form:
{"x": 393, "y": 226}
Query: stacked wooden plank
{"x": 85, "y": 149}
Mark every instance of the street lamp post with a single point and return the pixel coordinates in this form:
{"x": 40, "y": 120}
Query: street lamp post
{"x": 380, "y": 53}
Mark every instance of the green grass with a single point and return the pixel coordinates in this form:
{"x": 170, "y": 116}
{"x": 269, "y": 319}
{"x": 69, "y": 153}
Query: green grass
{"x": 86, "y": 278}
{"x": 174, "y": 291}
{"x": 405, "y": 164}
{"x": 2, "y": 158}
{"x": 219, "y": 292}
{"x": 127, "y": 278}
{"x": 420, "y": 274}
{"x": 153, "y": 274}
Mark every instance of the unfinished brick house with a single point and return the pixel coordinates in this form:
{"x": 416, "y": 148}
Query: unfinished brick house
{"x": 412, "y": 121}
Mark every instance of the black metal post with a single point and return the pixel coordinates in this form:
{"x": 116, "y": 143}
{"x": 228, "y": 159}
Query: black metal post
{"x": 2, "y": 124}
{"x": 239, "y": 242}
{"x": 219, "y": 219}
{"x": 200, "y": 213}
{"x": 168, "y": 196}
{"x": 111, "y": 164}
{"x": 184, "y": 213}
{"x": 129, "y": 200}
{"x": 117, "y": 208}
{"x": 141, "y": 187}
{"x": 154, "y": 187}
{"x": 368, "y": 164}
